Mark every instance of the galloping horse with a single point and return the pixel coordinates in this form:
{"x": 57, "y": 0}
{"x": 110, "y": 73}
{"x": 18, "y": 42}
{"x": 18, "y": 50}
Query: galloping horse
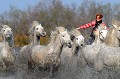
{"x": 100, "y": 35}
{"x": 49, "y": 56}
{"x": 109, "y": 54}
{"x": 90, "y": 51}
{"x": 78, "y": 42}
{"x": 36, "y": 31}
{"x": 6, "y": 48}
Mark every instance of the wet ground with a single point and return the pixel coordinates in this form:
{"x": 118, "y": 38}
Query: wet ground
{"x": 67, "y": 70}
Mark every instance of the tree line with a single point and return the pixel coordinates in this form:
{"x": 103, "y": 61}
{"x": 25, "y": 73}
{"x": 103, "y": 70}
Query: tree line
{"x": 52, "y": 13}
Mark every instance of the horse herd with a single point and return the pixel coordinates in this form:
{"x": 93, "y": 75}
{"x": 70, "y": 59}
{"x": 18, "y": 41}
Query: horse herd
{"x": 104, "y": 51}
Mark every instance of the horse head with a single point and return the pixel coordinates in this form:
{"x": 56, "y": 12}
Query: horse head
{"x": 6, "y": 31}
{"x": 77, "y": 38}
{"x": 64, "y": 36}
{"x": 7, "y": 34}
{"x": 37, "y": 29}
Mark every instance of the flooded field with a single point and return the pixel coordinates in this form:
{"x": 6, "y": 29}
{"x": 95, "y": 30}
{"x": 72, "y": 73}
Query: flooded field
{"x": 67, "y": 70}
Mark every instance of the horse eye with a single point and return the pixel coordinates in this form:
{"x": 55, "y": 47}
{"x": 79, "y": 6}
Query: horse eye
{"x": 118, "y": 30}
{"x": 37, "y": 28}
{"x": 77, "y": 38}
{"x": 3, "y": 30}
{"x": 63, "y": 36}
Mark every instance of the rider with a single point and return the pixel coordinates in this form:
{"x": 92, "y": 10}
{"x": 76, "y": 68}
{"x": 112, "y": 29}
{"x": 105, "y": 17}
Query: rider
{"x": 95, "y": 25}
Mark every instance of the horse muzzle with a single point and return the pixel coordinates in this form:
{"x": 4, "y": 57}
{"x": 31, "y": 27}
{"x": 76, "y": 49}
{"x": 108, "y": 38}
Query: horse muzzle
{"x": 69, "y": 45}
{"x": 43, "y": 34}
{"x": 82, "y": 45}
{"x": 8, "y": 35}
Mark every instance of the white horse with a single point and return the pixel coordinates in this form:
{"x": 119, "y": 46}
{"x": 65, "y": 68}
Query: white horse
{"x": 77, "y": 43}
{"x": 89, "y": 53}
{"x": 49, "y": 56}
{"x": 69, "y": 55}
{"x": 109, "y": 54}
{"x": 100, "y": 35}
{"x": 6, "y": 47}
{"x": 36, "y": 31}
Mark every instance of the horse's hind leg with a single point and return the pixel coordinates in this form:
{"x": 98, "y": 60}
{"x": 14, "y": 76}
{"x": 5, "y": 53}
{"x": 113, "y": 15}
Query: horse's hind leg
{"x": 98, "y": 64}
{"x": 81, "y": 61}
{"x": 31, "y": 64}
{"x": 3, "y": 65}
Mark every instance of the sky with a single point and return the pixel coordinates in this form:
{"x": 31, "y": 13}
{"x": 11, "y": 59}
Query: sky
{"x": 23, "y": 4}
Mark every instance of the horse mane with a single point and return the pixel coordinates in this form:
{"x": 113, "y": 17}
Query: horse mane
{"x": 110, "y": 37}
{"x": 55, "y": 33}
{"x": 32, "y": 26}
{"x": 31, "y": 30}
{"x": 5, "y": 26}
{"x": 75, "y": 32}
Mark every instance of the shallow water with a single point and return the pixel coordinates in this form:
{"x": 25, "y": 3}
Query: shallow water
{"x": 67, "y": 70}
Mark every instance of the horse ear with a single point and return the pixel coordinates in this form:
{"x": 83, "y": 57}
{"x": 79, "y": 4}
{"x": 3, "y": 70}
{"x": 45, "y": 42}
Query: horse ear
{"x": 51, "y": 32}
{"x": 40, "y": 25}
{"x": 2, "y": 26}
{"x": 57, "y": 29}
{"x": 116, "y": 23}
{"x": 66, "y": 30}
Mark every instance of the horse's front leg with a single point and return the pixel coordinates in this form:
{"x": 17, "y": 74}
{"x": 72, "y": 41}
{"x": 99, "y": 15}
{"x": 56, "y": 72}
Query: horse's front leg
{"x": 51, "y": 71}
{"x": 31, "y": 64}
{"x": 3, "y": 65}
{"x": 81, "y": 61}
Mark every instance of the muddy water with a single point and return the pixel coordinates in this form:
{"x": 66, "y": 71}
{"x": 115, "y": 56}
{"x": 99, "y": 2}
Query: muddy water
{"x": 67, "y": 70}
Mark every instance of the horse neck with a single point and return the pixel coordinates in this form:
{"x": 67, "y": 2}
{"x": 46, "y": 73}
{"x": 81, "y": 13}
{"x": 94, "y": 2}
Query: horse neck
{"x": 114, "y": 42}
{"x": 97, "y": 40}
{"x": 6, "y": 43}
{"x": 74, "y": 48}
{"x": 111, "y": 39}
{"x": 34, "y": 41}
{"x": 57, "y": 46}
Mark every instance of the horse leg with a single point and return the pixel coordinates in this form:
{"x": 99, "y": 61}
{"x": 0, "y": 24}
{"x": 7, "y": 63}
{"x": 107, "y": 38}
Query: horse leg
{"x": 57, "y": 65}
{"x": 31, "y": 64}
{"x": 51, "y": 71}
{"x": 4, "y": 66}
{"x": 81, "y": 61}
{"x": 98, "y": 64}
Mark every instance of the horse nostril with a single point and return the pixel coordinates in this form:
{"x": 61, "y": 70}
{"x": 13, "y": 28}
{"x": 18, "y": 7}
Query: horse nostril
{"x": 69, "y": 45}
{"x": 44, "y": 34}
{"x": 82, "y": 45}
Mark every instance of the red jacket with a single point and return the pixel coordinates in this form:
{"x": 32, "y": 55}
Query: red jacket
{"x": 91, "y": 24}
